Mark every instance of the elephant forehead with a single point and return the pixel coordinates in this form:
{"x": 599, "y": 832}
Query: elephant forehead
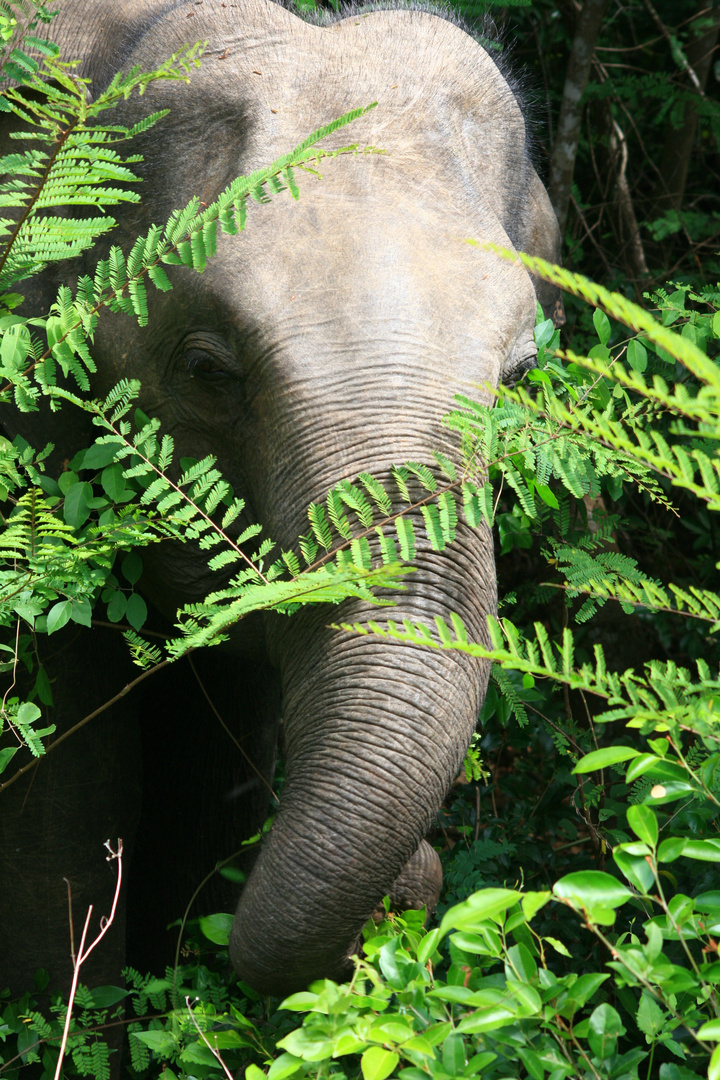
{"x": 268, "y": 79}
{"x": 360, "y": 279}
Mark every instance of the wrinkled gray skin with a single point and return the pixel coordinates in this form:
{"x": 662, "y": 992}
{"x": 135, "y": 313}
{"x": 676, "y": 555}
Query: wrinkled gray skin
{"x": 327, "y": 340}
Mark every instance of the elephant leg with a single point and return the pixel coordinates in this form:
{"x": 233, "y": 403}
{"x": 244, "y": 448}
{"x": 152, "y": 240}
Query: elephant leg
{"x": 55, "y": 819}
{"x": 419, "y": 883}
{"x": 209, "y": 733}
{"x": 417, "y": 886}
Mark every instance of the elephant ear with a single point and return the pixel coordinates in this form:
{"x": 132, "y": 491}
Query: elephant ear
{"x": 539, "y": 234}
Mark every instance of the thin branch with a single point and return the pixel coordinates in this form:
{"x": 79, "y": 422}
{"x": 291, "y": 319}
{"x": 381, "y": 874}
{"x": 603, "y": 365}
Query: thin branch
{"x": 86, "y": 720}
{"x": 228, "y": 732}
{"x": 82, "y": 954}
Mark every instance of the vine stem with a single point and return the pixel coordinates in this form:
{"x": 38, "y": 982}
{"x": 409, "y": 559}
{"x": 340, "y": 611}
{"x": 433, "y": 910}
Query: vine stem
{"x": 86, "y": 719}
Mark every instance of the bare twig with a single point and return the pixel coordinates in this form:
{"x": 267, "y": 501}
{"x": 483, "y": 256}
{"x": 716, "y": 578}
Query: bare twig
{"x": 213, "y": 1050}
{"x": 676, "y": 51}
{"x": 83, "y": 953}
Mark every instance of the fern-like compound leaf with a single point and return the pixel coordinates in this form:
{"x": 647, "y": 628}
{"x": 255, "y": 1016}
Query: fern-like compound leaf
{"x": 376, "y": 491}
{"x": 406, "y": 538}
{"x": 320, "y": 526}
{"x": 433, "y": 527}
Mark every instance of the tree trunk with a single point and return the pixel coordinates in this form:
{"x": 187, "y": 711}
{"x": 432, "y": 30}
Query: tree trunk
{"x": 679, "y": 144}
{"x": 562, "y": 163}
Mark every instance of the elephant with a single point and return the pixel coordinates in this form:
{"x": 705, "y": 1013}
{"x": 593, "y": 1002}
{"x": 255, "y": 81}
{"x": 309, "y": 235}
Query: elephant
{"x": 328, "y": 340}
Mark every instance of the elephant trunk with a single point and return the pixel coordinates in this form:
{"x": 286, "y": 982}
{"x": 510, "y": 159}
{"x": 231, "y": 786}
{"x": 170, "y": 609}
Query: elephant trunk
{"x": 375, "y": 732}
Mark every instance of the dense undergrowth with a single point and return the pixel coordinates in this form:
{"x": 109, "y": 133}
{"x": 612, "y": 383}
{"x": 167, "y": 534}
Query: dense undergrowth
{"x": 577, "y": 934}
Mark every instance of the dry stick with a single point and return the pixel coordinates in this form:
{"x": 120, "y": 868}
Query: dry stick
{"x": 628, "y": 217}
{"x": 653, "y": 41}
{"x": 82, "y": 955}
{"x": 212, "y": 1049}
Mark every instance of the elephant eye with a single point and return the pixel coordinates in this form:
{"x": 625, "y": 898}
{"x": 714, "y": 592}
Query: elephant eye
{"x": 203, "y": 365}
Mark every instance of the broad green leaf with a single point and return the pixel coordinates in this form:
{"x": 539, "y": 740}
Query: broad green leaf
{"x": 105, "y": 996}
{"x": 644, "y": 823}
{"x": 532, "y": 903}
{"x": 81, "y": 612}
{"x": 457, "y": 994}
{"x": 75, "y": 508}
{"x": 58, "y": 615}
{"x": 486, "y": 904}
{"x": 116, "y": 607}
{"x": 100, "y": 454}
{"x": 532, "y": 1062}
{"x": 428, "y": 945}
{"x": 453, "y": 1054}
{"x": 113, "y": 481}
{"x": 714, "y": 1066}
{"x": 392, "y": 1028}
{"x": 602, "y": 759}
{"x": 216, "y": 928}
{"x": 28, "y": 713}
{"x": 669, "y": 791}
{"x": 420, "y": 1044}
{"x": 476, "y": 1065}
{"x": 655, "y": 767}
{"x": 547, "y": 495}
{"x": 602, "y": 325}
{"x": 6, "y": 756}
{"x": 487, "y": 1020}
{"x": 544, "y": 332}
{"x": 521, "y": 962}
{"x": 253, "y": 1072}
{"x": 635, "y": 868}
{"x": 132, "y": 567}
{"x": 710, "y": 1030}
{"x": 558, "y": 946}
{"x": 706, "y": 850}
{"x": 604, "y": 1031}
{"x": 637, "y": 355}
{"x": 160, "y": 1042}
{"x": 592, "y": 888}
{"x": 136, "y": 611}
{"x": 377, "y": 1063}
{"x": 526, "y": 996}
{"x": 303, "y": 1001}
{"x": 348, "y": 1043}
{"x": 650, "y": 1017}
{"x": 585, "y": 987}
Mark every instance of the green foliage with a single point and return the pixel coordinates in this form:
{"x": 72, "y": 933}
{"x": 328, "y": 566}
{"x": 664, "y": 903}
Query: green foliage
{"x": 71, "y": 162}
{"x": 482, "y": 993}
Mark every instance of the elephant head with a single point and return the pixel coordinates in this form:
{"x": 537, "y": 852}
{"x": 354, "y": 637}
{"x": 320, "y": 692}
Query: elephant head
{"x": 327, "y": 341}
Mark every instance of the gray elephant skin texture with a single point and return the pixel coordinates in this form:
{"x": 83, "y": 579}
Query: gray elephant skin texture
{"x": 327, "y": 340}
